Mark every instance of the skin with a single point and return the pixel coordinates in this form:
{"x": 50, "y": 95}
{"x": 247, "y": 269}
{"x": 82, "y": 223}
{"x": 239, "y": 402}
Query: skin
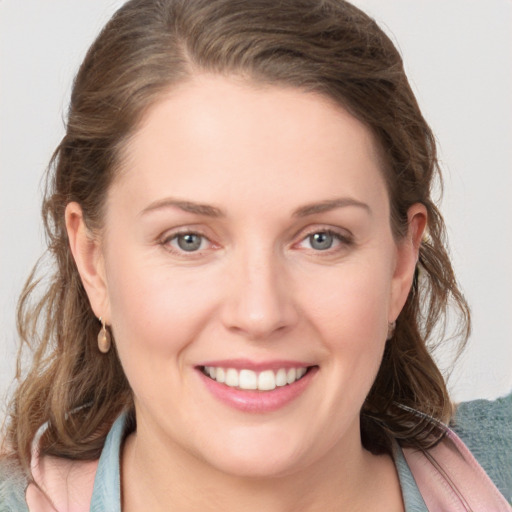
{"x": 256, "y": 289}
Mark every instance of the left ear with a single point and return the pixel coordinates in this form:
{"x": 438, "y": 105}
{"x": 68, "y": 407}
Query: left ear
{"x": 406, "y": 259}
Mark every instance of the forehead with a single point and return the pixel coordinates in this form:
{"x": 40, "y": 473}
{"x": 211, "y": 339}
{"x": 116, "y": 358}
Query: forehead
{"x": 228, "y": 139}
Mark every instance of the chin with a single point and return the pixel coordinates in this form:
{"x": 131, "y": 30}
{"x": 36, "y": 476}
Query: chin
{"x": 260, "y": 457}
{"x": 260, "y": 467}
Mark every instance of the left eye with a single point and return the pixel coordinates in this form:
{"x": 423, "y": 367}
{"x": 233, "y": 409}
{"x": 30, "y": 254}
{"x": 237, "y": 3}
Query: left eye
{"x": 322, "y": 240}
{"x": 188, "y": 242}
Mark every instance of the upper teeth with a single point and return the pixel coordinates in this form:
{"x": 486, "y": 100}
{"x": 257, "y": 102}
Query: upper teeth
{"x": 249, "y": 379}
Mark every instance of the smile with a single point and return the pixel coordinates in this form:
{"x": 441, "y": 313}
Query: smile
{"x": 251, "y": 380}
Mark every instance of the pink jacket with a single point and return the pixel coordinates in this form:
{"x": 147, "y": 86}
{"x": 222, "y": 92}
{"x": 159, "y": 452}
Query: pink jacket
{"x": 451, "y": 480}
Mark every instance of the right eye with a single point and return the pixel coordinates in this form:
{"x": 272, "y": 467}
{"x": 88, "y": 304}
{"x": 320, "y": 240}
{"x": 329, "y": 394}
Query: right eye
{"x": 187, "y": 242}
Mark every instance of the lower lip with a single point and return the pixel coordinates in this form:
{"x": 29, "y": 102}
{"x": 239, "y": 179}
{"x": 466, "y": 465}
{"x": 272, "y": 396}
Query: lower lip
{"x": 258, "y": 401}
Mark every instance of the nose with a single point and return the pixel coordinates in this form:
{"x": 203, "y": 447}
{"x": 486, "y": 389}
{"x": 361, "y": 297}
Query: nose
{"x": 259, "y": 300}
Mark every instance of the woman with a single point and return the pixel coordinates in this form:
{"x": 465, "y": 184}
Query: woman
{"x": 249, "y": 266}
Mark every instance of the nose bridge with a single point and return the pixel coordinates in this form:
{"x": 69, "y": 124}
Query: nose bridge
{"x": 259, "y": 301}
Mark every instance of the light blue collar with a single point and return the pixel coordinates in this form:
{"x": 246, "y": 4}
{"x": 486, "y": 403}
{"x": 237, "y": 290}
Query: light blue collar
{"x": 413, "y": 501}
{"x": 107, "y": 486}
{"x": 106, "y": 494}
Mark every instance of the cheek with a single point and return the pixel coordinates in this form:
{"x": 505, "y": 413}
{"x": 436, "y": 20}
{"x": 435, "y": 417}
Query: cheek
{"x": 347, "y": 309}
{"x": 156, "y": 315}
{"x": 155, "y": 310}
{"x": 350, "y": 313}
{"x": 351, "y": 302}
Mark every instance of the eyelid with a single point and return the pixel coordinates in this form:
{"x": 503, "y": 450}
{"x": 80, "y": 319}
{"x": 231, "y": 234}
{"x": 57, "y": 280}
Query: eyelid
{"x": 325, "y": 228}
{"x": 173, "y": 233}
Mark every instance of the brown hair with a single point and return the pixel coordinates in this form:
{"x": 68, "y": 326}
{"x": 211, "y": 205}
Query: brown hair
{"x": 326, "y": 46}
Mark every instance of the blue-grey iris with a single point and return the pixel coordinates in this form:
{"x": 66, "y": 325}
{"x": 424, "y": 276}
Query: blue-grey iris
{"x": 189, "y": 242}
{"x": 321, "y": 241}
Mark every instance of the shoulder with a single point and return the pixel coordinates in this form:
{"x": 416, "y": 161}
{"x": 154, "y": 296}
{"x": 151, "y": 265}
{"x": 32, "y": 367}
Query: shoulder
{"x": 474, "y": 469}
{"x": 13, "y": 483}
{"x": 485, "y": 427}
{"x": 61, "y": 484}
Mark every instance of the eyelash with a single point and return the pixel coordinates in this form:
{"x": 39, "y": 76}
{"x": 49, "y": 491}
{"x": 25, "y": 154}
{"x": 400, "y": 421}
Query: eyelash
{"x": 344, "y": 240}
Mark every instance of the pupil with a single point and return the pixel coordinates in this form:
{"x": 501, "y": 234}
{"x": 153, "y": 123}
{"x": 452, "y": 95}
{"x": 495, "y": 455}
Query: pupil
{"x": 189, "y": 242}
{"x": 321, "y": 241}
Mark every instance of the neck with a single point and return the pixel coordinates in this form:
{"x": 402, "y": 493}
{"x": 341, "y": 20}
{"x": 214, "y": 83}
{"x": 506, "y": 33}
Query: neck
{"x": 348, "y": 478}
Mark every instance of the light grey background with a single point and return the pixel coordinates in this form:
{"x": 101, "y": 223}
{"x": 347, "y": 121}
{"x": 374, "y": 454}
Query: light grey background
{"x": 458, "y": 55}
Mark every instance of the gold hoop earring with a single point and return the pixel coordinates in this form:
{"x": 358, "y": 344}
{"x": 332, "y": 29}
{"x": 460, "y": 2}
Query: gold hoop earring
{"x": 104, "y": 339}
{"x": 391, "y": 329}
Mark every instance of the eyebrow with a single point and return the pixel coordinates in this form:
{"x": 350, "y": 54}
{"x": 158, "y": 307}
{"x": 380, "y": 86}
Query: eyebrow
{"x": 212, "y": 211}
{"x": 330, "y": 204}
{"x": 187, "y": 206}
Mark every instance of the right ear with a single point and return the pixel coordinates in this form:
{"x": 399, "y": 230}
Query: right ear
{"x": 86, "y": 250}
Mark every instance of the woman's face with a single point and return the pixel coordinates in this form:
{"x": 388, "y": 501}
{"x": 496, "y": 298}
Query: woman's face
{"x": 248, "y": 236}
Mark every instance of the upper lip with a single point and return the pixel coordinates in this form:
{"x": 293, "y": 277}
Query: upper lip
{"x": 257, "y": 366}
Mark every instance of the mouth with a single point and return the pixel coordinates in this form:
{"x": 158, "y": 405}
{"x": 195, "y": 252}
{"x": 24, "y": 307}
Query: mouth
{"x": 245, "y": 379}
{"x": 257, "y": 388}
